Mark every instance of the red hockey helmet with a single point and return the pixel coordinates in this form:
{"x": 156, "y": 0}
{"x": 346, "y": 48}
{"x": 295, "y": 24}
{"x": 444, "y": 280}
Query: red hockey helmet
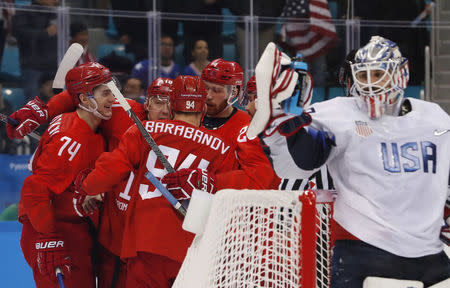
{"x": 160, "y": 87}
{"x": 251, "y": 85}
{"x": 189, "y": 94}
{"x": 223, "y": 72}
{"x": 85, "y": 77}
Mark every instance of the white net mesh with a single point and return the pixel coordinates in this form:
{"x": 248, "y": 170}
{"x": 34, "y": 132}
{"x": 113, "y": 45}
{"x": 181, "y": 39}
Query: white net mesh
{"x": 323, "y": 242}
{"x": 252, "y": 239}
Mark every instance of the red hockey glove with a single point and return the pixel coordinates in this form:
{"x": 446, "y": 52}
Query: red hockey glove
{"x": 182, "y": 182}
{"x": 83, "y": 204}
{"x": 30, "y": 116}
{"x": 51, "y": 254}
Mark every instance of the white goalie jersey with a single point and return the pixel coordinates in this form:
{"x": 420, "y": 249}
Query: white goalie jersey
{"x": 390, "y": 174}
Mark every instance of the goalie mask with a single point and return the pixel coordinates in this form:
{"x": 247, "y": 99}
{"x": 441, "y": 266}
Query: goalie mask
{"x": 83, "y": 79}
{"x": 380, "y": 75}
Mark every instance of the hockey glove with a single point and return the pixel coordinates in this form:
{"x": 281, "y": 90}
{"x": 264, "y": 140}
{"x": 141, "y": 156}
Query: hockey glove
{"x": 30, "y": 116}
{"x": 83, "y": 204}
{"x": 273, "y": 87}
{"x": 182, "y": 182}
{"x": 51, "y": 254}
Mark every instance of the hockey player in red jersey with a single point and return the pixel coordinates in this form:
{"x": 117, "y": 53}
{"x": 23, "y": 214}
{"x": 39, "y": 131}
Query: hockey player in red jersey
{"x": 53, "y": 235}
{"x": 153, "y": 238}
{"x": 112, "y": 271}
{"x": 36, "y": 113}
{"x": 223, "y": 81}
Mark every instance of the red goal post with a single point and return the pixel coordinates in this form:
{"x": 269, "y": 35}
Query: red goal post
{"x": 262, "y": 238}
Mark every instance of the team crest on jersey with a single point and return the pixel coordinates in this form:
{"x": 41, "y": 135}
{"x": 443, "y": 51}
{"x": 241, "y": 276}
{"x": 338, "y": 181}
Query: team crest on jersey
{"x": 363, "y": 129}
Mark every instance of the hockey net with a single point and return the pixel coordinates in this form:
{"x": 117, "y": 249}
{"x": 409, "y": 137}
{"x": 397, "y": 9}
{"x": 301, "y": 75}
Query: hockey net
{"x": 256, "y": 238}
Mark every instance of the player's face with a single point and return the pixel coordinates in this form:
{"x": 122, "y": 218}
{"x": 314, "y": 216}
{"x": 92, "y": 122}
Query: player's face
{"x": 251, "y": 96}
{"x": 251, "y": 107}
{"x": 158, "y": 108}
{"x": 374, "y": 77}
{"x": 216, "y": 99}
{"x": 104, "y": 98}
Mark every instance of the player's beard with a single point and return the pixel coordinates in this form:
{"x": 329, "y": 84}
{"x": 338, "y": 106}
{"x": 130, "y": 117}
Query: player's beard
{"x": 213, "y": 111}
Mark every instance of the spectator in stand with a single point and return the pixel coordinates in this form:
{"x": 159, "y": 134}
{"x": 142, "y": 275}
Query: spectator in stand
{"x": 79, "y": 34}
{"x": 169, "y": 69}
{"x": 210, "y": 31}
{"x": 36, "y": 38}
{"x": 133, "y": 31}
{"x": 134, "y": 89}
{"x": 200, "y": 60}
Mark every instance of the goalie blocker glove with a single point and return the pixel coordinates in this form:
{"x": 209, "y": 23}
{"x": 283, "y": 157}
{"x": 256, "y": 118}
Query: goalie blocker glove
{"x": 30, "y": 116}
{"x": 181, "y": 183}
{"x": 51, "y": 254}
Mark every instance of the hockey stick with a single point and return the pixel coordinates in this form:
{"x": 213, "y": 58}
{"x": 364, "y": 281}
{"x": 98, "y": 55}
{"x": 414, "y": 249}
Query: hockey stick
{"x": 69, "y": 60}
{"x": 59, "y": 276}
{"x": 5, "y": 119}
{"x": 177, "y": 205}
{"x": 123, "y": 102}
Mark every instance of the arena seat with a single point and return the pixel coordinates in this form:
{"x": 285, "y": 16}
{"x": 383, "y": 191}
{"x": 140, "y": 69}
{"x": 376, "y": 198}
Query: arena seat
{"x": 106, "y": 49}
{"x": 318, "y": 94}
{"x": 15, "y": 97}
{"x": 413, "y": 91}
{"x": 11, "y": 61}
{"x": 335, "y": 92}
{"x": 178, "y": 54}
{"x": 228, "y": 27}
{"x": 229, "y": 52}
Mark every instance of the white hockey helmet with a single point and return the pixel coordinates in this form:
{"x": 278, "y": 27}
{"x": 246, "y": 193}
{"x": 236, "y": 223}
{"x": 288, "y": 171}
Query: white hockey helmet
{"x": 380, "y": 74}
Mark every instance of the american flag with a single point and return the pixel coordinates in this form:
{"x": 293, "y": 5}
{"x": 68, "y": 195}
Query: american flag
{"x": 363, "y": 129}
{"x": 315, "y": 34}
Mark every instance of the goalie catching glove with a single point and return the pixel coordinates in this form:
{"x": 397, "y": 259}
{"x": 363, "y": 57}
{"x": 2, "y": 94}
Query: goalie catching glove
{"x": 83, "y": 204}
{"x": 273, "y": 87}
{"x": 181, "y": 183}
{"x": 30, "y": 117}
{"x": 51, "y": 254}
